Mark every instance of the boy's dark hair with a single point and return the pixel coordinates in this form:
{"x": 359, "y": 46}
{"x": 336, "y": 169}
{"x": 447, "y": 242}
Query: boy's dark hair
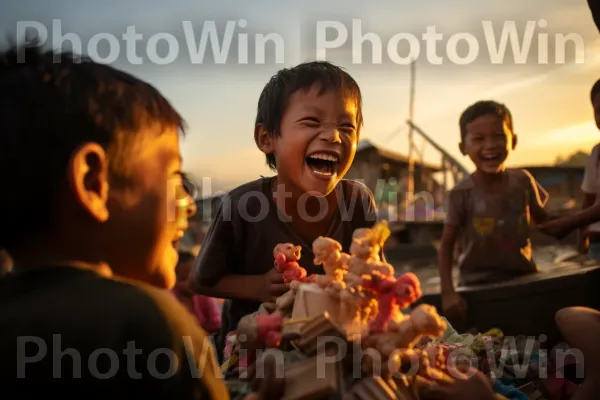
{"x": 276, "y": 94}
{"x": 481, "y": 108}
{"x": 595, "y": 90}
{"x": 50, "y": 104}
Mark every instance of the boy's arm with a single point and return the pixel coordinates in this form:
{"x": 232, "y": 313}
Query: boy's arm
{"x": 234, "y": 286}
{"x": 454, "y": 306}
{"x": 455, "y": 218}
{"x": 216, "y": 273}
{"x": 538, "y": 198}
{"x": 446, "y": 257}
{"x": 589, "y": 185}
{"x": 589, "y": 214}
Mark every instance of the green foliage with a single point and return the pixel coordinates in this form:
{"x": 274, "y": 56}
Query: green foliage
{"x": 576, "y": 159}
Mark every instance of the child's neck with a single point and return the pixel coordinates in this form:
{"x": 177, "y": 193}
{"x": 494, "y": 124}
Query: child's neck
{"x": 309, "y": 216}
{"x": 490, "y": 182}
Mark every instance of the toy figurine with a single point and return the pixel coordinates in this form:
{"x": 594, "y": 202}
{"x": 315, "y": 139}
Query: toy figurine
{"x": 260, "y": 330}
{"x": 392, "y": 295}
{"x": 286, "y": 261}
{"x": 328, "y": 253}
{"x": 256, "y": 331}
{"x": 365, "y": 249}
{"x": 422, "y": 321}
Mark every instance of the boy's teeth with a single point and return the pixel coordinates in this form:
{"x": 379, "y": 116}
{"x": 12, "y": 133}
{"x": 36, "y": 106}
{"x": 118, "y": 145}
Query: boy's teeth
{"x": 334, "y": 174}
{"x": 324, "y": 156}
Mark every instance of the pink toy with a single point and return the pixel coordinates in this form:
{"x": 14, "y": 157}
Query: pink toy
{"x": 269, "y": 329}
{"x": 391, "y": 293}
{"x": 260, "y": 331}
{"x": 286, "y": 261}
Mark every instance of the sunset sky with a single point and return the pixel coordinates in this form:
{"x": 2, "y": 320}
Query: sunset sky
{"x": 550, "y": 103}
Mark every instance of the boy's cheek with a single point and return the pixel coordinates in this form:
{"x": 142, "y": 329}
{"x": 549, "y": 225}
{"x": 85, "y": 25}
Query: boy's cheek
{"x": 171, "y": 199}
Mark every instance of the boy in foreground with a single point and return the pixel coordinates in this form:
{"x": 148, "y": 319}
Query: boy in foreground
{"x": 307, "y": 125}
{"x": 91, "y": 215}
{"x": 490, "y": 211}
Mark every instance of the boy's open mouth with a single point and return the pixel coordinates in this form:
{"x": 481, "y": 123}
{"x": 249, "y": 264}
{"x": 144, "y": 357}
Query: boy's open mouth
{"x": 325, "y": 164}
{"x": 177, "y": 240}
{"x": 491, "y": 157}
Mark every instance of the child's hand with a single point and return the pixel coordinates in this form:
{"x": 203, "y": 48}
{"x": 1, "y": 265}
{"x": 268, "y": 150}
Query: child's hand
{"x": 582, "y": 242}
{"x": 273, "y": 285}
{"x": 471, "y": 385}
{"x": 454, "y": 307}
{"x": 557, "y": 228}
{"x": 271, "y": 384}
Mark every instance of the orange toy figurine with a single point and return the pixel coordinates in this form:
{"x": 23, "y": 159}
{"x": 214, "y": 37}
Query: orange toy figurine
{"x": 286, "y": 261}
{"x": 391, "y": 294}
{"x": 328, "y": 252}
{"x": 365, "y": 248}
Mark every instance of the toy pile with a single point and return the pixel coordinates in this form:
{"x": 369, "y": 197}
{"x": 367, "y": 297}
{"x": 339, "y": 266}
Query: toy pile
{"x": 342, "y": 334}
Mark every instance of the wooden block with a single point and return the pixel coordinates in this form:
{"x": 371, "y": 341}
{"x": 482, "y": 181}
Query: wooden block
{"x": 311, "y": 301}
{"x": 372, "y": 388}
{"x": 322, "y": 326}
{"x": 302, "y": 380}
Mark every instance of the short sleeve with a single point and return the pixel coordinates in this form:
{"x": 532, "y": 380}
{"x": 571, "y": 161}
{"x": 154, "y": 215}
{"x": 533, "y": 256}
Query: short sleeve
{"x": 455, "y": 211}
{"x": 217, "y": 254}
{"x": 538, "y": 196}
{"x": 590, "y": 175}
{"x": 358, "y": 205}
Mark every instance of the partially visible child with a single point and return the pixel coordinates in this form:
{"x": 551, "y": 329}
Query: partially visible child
{"x": 589, "y": 237}
{"x": 490, "y": 212}
{"x": 587, "y": 221}
{"x": 203, "y": 308}
{"x": 307, "y": 125}
{"x": 94, "y": 239}
{"x": 580, "y": 326}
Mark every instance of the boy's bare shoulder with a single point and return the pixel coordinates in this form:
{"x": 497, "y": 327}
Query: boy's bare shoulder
{"x": 522, "y": 175}
{"x": 466, "y": 184}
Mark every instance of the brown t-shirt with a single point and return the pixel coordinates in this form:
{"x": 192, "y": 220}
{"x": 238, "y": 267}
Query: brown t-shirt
{"x": 494, "y": 229}
{"x": 68, "y": 332}
{"x": 248, "y": 226}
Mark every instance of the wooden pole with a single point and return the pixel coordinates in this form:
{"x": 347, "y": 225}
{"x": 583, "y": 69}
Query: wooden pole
{"x": 411, "y": 161}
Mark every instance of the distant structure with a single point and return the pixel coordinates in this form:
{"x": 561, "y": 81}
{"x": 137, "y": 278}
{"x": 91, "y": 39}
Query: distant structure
{"x": 386, "y": 173}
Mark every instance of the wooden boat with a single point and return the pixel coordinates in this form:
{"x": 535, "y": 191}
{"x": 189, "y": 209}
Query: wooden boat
{"x": 527, "y": 305}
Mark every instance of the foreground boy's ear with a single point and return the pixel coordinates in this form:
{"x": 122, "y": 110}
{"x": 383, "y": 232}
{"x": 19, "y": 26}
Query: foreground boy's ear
{"x": 264, "y": 141}
{"x": 88, "y": 177}
{"x": 514, "y": 141}
{"x": 461, "y": 147}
